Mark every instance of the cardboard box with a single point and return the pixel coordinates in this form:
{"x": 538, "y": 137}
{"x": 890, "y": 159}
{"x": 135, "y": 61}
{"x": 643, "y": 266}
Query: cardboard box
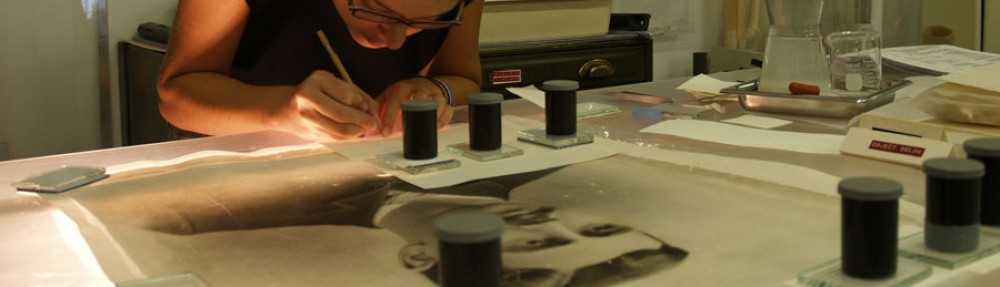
{"x": 531, "y": 20}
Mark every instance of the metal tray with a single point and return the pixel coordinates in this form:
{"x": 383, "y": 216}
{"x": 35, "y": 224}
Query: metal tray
{"x": 813, "y": 105}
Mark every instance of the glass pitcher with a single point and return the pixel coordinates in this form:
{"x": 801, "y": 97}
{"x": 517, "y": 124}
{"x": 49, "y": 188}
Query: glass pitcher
{"x": 794, "y": 51}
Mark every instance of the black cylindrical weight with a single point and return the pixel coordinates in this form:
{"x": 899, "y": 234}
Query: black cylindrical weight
{"x": 485, "y": 133}
{"x": 560, "y": 107}
{"x": 469, "y": 249}
{"x": 700, "y": 63}
{"x": 987, "y": 151}
{"x": 869, "y": 222}
{"x": 419, "y": 129}
{"x": 952, "y": 217}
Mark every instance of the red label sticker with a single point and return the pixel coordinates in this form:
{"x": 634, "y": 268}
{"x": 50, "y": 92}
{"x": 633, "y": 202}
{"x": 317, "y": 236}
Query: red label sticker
{"x": 897, "y": 148}
{"x": 506, "y": 77}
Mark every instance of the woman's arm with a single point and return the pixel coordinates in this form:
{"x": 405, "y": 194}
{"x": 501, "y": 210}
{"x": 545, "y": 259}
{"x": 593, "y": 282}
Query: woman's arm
{"x": 197, "y": 93}
{"x": 456, "y": 64}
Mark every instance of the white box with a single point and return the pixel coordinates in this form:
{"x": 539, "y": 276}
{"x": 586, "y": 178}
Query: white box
{"x": 529, "y": 20}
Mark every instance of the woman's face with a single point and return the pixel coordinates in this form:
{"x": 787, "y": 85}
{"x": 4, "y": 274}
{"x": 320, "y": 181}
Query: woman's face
{"x": 376, "y": 35}
{"x": 534, "y": 237}
{"x": 541, "y": 247}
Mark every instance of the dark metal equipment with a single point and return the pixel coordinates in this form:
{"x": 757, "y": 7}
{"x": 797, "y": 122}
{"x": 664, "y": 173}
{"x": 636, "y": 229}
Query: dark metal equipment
{"x": 609, "y": 60}
{"x": 138, "y": 68}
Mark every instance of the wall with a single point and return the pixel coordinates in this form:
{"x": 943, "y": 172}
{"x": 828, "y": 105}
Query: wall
{"x": 49, "y": 77}
{"x": 681, "y": 27}
{"x": 991, "y": 26}
{"x": 49, "y": 91}
{"x": 962, "y": 16}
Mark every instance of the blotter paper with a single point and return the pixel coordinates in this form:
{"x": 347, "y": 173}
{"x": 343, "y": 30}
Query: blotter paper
{"x": 535, "y": 157}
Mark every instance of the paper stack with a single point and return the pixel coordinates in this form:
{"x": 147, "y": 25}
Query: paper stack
{"x": 935, "y": 60}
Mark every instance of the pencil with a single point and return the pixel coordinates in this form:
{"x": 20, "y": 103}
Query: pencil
{"x": 341, "y": 69}
{"x": 333, "y": 56}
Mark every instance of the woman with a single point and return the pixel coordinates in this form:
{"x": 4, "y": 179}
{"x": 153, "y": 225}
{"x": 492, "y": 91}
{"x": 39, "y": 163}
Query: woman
{"x": 237, "y": 66}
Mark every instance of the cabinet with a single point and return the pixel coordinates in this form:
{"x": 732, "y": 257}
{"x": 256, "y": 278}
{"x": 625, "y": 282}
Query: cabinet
{"x": 138, "y": 67}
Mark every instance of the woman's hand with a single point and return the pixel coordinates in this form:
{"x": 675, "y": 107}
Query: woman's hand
{"x": 326, "y": 107}
{"x": 411, "y": 89}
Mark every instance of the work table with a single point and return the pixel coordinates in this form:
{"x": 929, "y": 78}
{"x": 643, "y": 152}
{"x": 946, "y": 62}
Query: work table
{"x": 720, "y": 203}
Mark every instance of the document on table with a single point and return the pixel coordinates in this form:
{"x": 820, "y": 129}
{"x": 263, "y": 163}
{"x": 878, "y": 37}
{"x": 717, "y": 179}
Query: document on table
{"x": 936, "y": 59}
{"x": 749, "y": 137}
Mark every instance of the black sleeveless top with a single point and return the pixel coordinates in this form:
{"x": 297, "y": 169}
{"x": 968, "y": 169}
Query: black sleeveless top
{"x": 280, "y": 47}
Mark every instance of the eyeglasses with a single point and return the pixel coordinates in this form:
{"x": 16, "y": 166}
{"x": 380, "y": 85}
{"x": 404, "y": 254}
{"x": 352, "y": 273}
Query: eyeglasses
{"x": 375, "y": 16}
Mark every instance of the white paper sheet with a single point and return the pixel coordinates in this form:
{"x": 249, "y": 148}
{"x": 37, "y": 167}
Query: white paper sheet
{"x": 749, "y": 137}
{"x": 530, "y": 93}
{"x": 369, "y": 147}
{"x": 937, "y": 58}
{"x": 983, "y": 77}
{"x": 774, "y": 172}
{"x": 705, "y": 84}
{"x": 535, "y": 157}
{"x": 583, "y": 110}
{"x": 457, "y": 133}
{"x": 920, "y": 84}
{"x": 757, "y": 121}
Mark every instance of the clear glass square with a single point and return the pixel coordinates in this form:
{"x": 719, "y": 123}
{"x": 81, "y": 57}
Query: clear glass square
{"x": 539, "y": 136}
{"x": 505, "y": 151}
{"x": 592, "y": 110}
{"x": 831, "y": 274}
{"x": 395, "y": 160}
{"x": 913, "y": 246}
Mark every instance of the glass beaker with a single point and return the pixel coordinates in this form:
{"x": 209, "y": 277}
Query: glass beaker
{"x": 794, "y": 51}
{"x": 855, "y": 62}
